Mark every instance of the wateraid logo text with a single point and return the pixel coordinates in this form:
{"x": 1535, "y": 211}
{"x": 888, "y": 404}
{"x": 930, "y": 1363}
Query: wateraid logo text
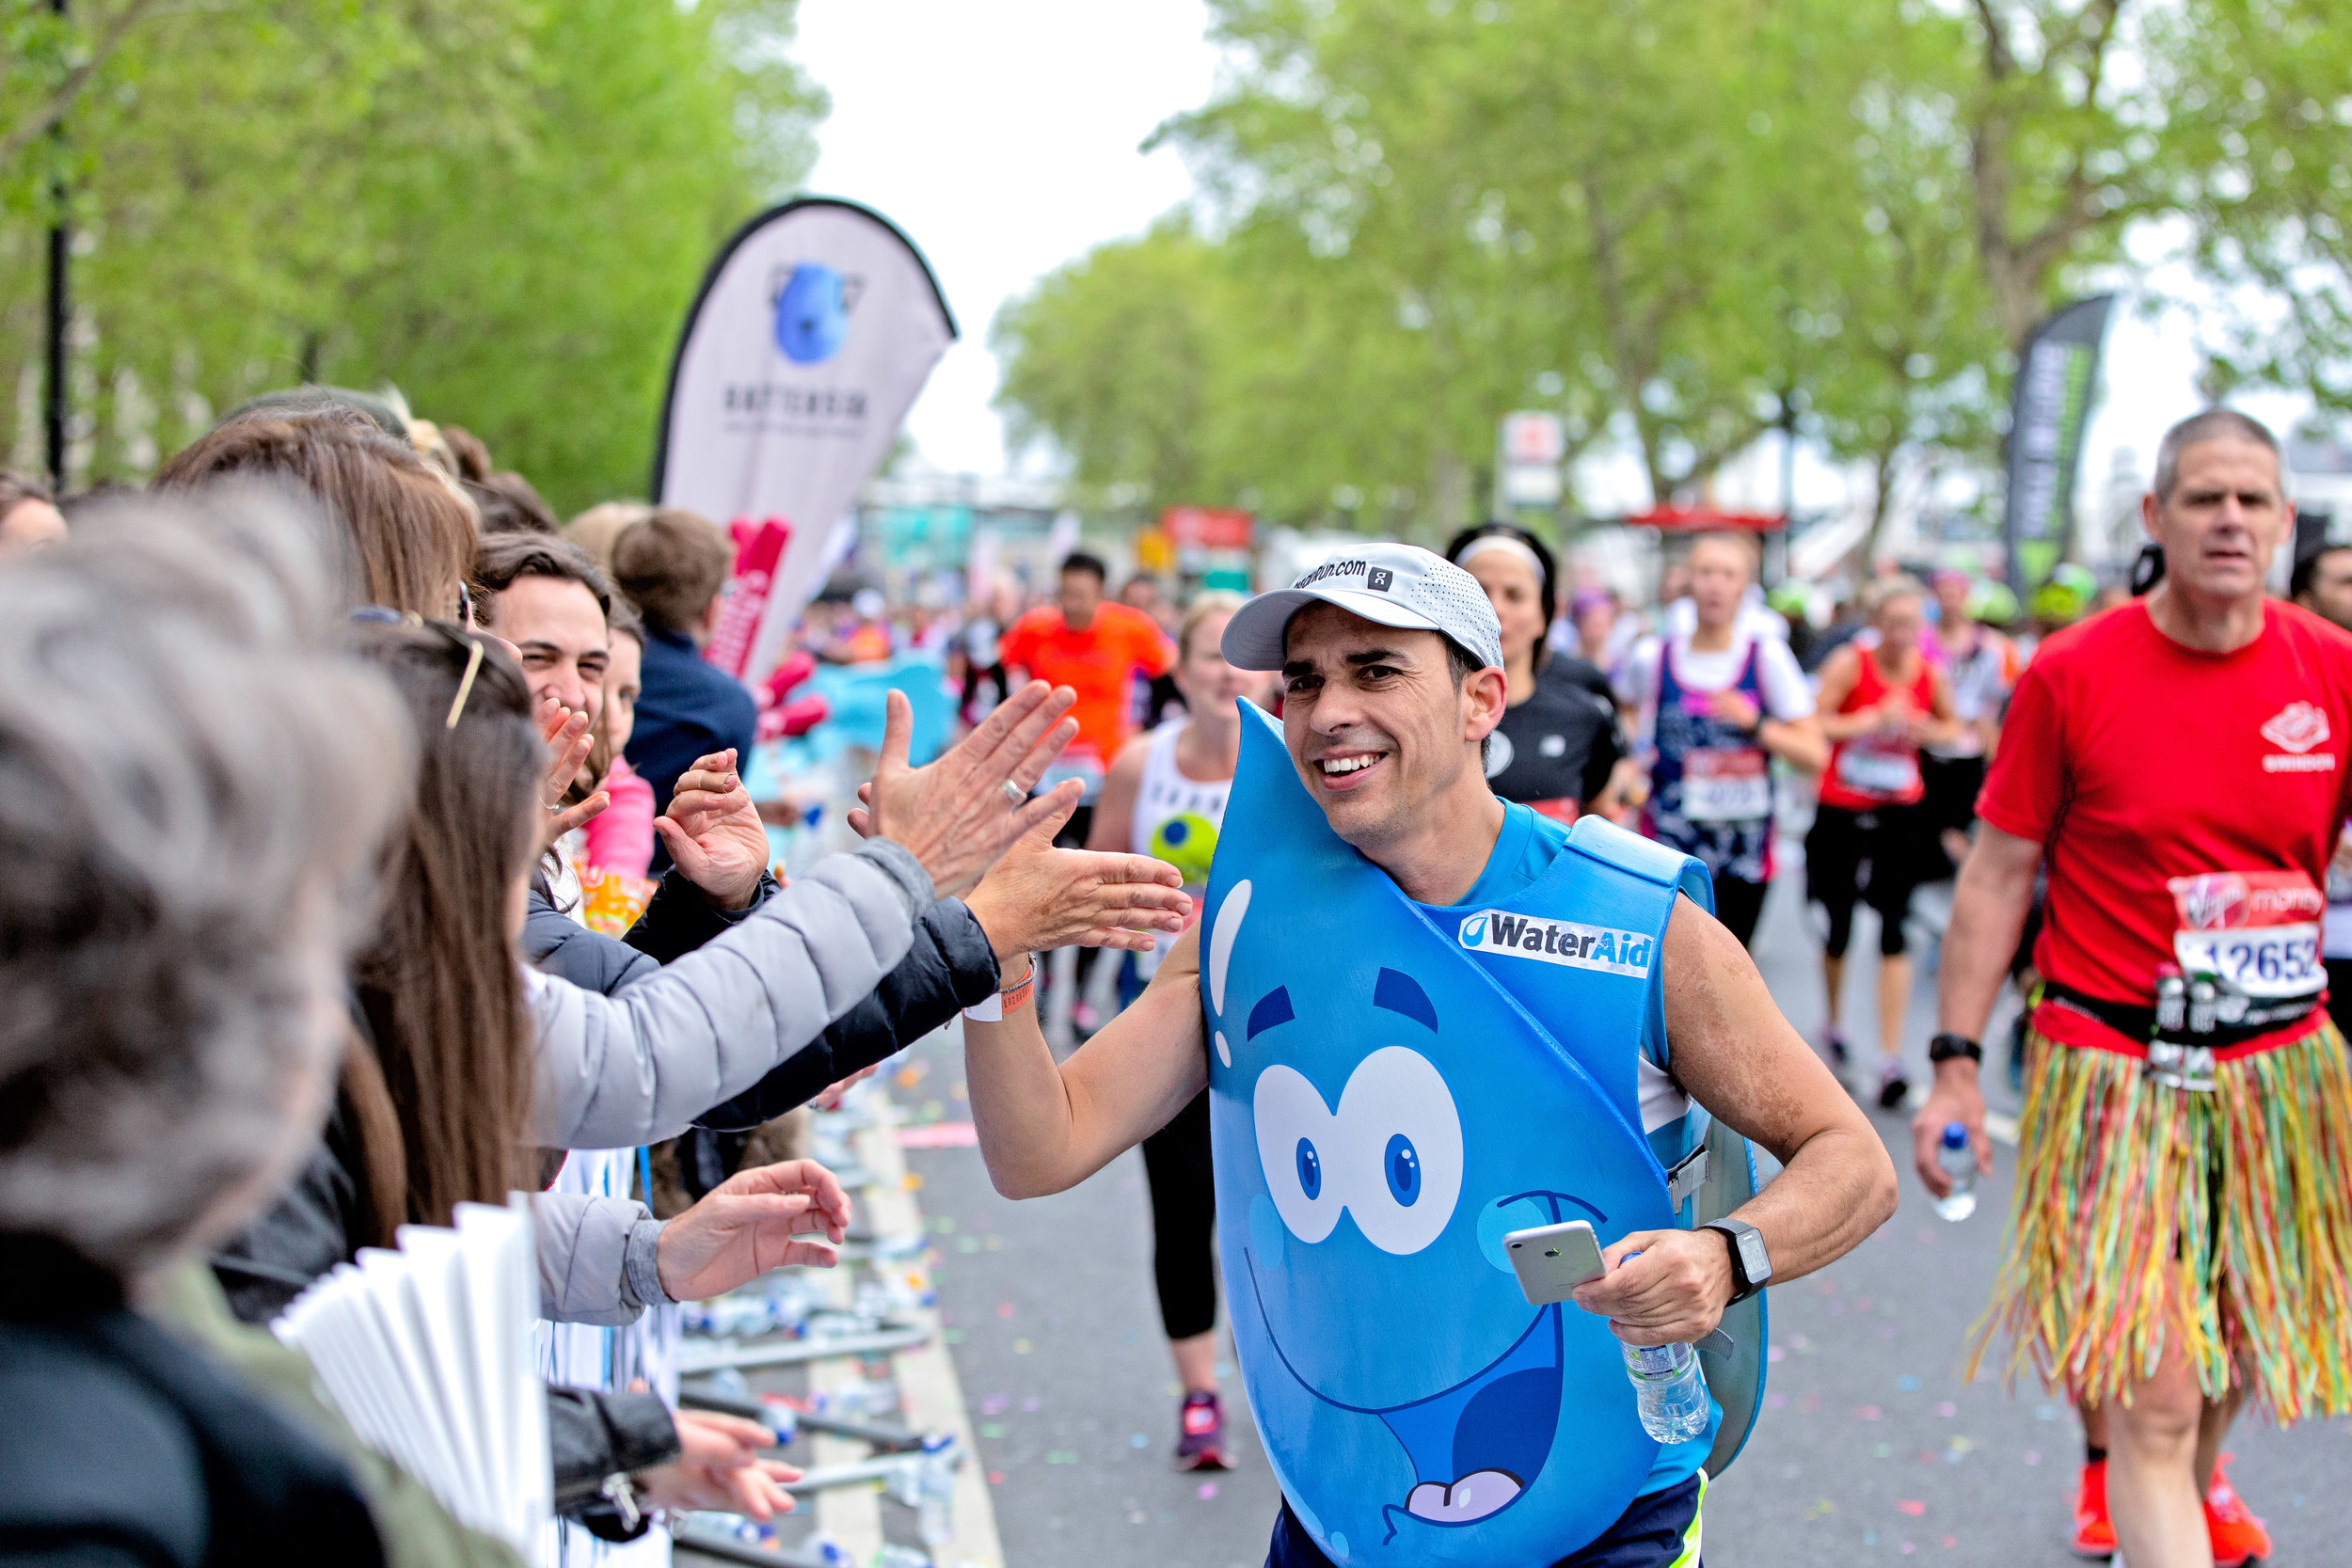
{"x": 1558, "y": 942}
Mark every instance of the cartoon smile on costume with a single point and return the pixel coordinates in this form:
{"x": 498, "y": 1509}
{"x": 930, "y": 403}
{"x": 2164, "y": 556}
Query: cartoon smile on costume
{"x": 1383, "y": 1113}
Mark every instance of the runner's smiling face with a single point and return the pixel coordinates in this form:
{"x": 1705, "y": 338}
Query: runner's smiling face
{"x": 2224, "y": 520}
{"x": 1375, "y": 724}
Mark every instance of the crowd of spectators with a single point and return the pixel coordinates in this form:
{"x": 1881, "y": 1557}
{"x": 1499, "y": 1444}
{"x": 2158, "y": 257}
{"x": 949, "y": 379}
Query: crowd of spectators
{"x": 368, "y": 847}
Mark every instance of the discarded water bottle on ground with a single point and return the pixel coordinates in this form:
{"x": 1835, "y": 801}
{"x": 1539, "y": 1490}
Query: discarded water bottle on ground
{"x": 926, "y": 1484}
{"x": 888, "y": 1556}
{"x": 1671, "y": 1390}
{"x": 1959, "y": 1164}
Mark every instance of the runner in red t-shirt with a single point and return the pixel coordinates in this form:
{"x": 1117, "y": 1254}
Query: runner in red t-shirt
{"x": 2183, "y": 1229}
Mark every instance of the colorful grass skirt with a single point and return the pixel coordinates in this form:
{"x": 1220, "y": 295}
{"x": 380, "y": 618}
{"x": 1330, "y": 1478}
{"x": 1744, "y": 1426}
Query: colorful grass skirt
{"x": 2142, "y": 1210}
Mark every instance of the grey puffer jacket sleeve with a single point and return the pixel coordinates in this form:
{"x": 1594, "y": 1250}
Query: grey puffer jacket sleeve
{"x": 640, "y": 1066}
{"x": 597, "y": 1262}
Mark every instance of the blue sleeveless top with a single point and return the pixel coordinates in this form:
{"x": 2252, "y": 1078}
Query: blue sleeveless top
{"x": 1392, "y": 1089}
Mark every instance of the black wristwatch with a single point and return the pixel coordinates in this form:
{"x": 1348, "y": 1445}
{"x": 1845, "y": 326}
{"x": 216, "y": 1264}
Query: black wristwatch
{"x": 1944, "y": 1047}
{"x": 1751, "y": 1265}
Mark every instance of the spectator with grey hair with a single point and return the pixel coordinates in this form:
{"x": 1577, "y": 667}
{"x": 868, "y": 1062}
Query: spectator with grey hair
{"x": 192, "y": 793}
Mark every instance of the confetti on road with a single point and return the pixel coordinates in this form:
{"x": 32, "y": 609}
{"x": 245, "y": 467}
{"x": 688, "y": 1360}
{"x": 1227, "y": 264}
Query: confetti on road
{"x": 996, "y": 1478}
{"x": 1910, "y": 1506}
{"x": 992, "y": 1429}
{"x": 1022, "y": 1347}
{"x": 1004, "y": 1309}
{"x": 1139, "y": 1441}
{"x": 1867, "y": 1413}
{"x": 1946, "y": 1409}
{"x": 2033, "y": 1456}
{"x": 995, "y": 1404}
{"x": 1908, "y": 1383}
{"x": 1029, "y": 1405}
{"x": 1062, "y": 1456}
{"x": 1207, "y": 1490}
{"x": 1820, "y": 1508}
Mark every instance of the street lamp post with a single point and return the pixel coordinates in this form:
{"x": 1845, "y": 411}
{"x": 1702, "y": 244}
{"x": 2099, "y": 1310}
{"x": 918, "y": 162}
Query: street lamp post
{"x": 60, "y": 249}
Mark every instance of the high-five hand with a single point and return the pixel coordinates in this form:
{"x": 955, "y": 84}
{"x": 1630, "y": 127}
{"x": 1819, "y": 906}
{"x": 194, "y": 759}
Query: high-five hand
{"x": 762, "y": 1218}
{"x": 568, "y": 737}
{"x": 958, "y": 814}
{"x": 713, "y": 831}
{"x": 1038, "y": 898}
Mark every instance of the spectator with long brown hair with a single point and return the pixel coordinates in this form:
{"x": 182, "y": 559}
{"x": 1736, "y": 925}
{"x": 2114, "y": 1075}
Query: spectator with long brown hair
{"x": 411, "y": 533}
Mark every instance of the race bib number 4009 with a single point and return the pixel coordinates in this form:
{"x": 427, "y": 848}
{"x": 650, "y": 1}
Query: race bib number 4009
{"x": 2255, "y": 932}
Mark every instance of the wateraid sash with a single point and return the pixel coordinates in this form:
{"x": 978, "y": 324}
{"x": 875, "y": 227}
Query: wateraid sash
{"x": 1620, "y": 888}
{"x": 1383, "y": 1110}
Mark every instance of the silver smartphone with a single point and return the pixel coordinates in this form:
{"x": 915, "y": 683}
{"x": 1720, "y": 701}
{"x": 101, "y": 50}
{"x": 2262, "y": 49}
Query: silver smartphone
{"x": 1551, "y": 1261}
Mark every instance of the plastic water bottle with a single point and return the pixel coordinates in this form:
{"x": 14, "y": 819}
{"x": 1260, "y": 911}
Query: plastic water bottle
{"x": 888, "y": 1556}
{"x": 1959, "y": 1164}
{"x": 1670, "y": 1388}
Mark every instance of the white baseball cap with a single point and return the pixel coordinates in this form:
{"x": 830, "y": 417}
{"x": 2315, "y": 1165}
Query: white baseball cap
{"x": 1396, "y": 585}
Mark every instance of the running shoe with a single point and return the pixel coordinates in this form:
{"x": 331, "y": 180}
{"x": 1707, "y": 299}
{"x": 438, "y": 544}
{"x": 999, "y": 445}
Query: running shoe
{"x": 2238, "y": 1538}
{"x": 2094, "y": 1532}
{"x": 1894, "y": 1088}
{"x": 1202, "y": 1422}
{"x": 1834, "y": 1043}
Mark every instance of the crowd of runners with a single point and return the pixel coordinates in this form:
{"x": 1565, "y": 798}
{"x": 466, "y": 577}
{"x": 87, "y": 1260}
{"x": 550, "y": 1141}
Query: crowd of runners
{"x": 2180, "y": 1236}
{"x": 1398, "y": 914}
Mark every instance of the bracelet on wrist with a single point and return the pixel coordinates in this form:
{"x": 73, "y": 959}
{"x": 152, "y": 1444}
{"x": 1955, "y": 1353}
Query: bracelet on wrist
{"x": 1009, "y": 999}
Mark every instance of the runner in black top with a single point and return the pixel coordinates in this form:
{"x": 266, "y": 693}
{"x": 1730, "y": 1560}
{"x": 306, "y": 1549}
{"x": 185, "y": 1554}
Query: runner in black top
{"x": 1558, "y": 743}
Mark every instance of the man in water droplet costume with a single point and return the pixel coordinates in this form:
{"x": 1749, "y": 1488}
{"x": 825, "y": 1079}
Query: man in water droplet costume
{"x": 1424, "y": 1019}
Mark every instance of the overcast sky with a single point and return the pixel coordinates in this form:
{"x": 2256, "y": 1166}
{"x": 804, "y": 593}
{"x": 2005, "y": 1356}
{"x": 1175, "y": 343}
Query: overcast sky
{"x": 1003, "y": 138}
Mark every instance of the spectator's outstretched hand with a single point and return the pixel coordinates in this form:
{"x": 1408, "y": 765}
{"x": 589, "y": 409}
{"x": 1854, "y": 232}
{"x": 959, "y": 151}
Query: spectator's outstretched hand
{"x": 713, "y": 831}
{"x": 719, "y": 1466}
{"x": 760, "y": 1218}
{"x": 567, "y": 735}
{"x": 1038, "y": 898}
{"x": 955, "y": 814}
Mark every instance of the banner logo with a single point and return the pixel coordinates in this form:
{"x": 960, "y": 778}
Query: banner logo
{"x": 813, "y": 308}
{"x": 1379, "y": 579}
{"x": 1559, "y": 941}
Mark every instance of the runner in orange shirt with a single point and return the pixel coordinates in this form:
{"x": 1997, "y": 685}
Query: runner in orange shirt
{"x": 1096, "y": 649}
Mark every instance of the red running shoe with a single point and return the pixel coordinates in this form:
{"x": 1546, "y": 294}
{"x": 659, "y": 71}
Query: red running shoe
{"x": 2094, "y": 1532}
{"x": 1202, "y": 1423}
{"x": 2238, "y": 1538}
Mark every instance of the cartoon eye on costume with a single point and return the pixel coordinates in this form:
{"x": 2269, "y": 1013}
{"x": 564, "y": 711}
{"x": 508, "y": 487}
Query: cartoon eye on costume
{"x": 1401, "y": 1164}
{"x": 1400, "y": 1154}
{"x": 1296, "y": 1139}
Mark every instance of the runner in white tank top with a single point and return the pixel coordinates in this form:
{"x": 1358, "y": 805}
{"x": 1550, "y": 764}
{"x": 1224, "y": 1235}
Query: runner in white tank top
{"x": 1151, "y": 805}
{"x": 1175, "y": 819}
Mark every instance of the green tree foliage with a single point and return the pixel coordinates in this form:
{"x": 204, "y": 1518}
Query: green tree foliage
{"x": 1676, "y": 221}
{"x": 499, "y": 206}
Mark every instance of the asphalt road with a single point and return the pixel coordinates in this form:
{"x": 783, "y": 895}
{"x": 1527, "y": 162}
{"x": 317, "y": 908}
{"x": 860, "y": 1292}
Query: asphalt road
{"x": 1870, "y": 1446}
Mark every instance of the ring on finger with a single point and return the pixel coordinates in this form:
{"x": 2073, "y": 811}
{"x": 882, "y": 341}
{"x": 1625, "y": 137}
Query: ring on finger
{"x": 1014, "y": 794}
